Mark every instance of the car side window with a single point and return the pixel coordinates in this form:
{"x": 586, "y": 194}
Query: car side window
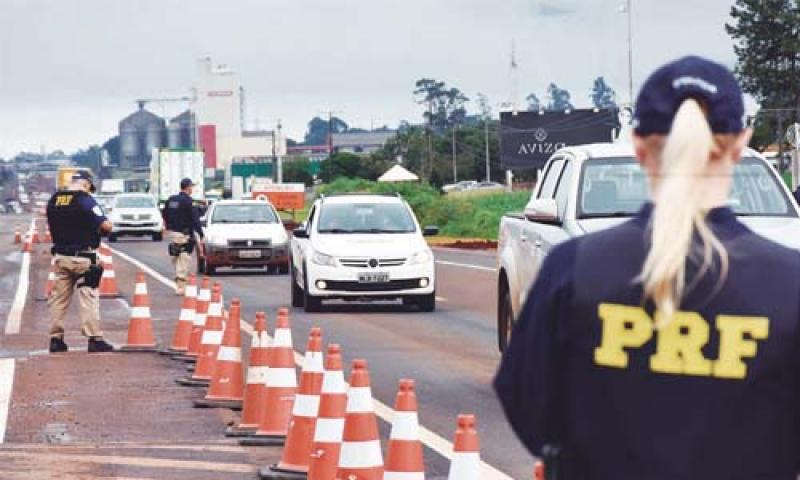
{"x": 562, "y": 190}
{"x": 310, "y": 218}
{"x": 551, "y": 178}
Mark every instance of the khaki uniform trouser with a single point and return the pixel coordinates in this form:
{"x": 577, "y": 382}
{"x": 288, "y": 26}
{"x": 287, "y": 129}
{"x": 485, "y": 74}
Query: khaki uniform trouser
{"x": 182, "y": 262}
{"x": 68, "y": 271}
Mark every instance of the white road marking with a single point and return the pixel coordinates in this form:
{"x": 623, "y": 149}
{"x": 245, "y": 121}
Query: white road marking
{"x": 14, "y": 319}
{"x": 428, "y": 437}
{"x": 466, "y": 265}
{"x": 6, "y": 386}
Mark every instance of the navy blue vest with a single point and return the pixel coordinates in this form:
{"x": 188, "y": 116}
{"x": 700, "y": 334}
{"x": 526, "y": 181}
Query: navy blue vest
{"x": 71, "y": 222}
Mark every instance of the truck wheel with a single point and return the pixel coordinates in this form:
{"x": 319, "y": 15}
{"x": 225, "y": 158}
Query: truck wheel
{"x": 211, "y": 270}
{"x": 312, "y": 303}
{"x": 505, "y": 315}
{"x": 201, "y": 265}
{"x": 157, "y": 237}
{"x": 297, "y": 292}
{"x": 283, "y": 269}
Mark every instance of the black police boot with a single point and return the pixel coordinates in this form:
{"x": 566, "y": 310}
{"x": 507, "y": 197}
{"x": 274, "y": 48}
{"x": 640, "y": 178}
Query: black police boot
{"x": 98, "y": 345}
{"x": 57, "y": 345}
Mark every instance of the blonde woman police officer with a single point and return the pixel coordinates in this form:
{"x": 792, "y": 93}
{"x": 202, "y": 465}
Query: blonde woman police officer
{"x": 667, "y": 347}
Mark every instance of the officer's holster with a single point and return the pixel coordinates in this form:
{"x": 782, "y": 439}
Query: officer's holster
{"x": 92, "y": 276}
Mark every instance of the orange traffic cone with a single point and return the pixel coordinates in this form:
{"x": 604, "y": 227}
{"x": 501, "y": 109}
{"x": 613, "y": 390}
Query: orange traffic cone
{"x": 108, "y": 282}
{"x": 300, "y": 439}
{"x": 255, "y": 390}
{"x": 210, "y": 341}
{"x": 466, "y": 461}
{"x": 538, "y": 471}
{"x": 17, "y": 236}
{"x": 329, "y": 428}
{"x": 200, "y": 316}
{"x": 405, "y": 460}
{"x": 281, "y": 388}
{"x": 183, "y": 329}
{"x": 361, "y": 456}
{"x": 227, "y": 381}
{"x": 35, "y": 235}
{"x": 48, "y": 238}
{"x": 140, "y": 327}
{"x": 51, "y": 280}
{"x": 27, "y": 245}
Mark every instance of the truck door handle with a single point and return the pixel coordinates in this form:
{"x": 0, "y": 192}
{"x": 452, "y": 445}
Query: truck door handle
{"x": 537, "y": 244}
{"x": 523, "y": 238}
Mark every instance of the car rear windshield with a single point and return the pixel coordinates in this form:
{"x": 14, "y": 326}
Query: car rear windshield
{"x": 134, "y": 202}
{"x": 617, "y": 187}
{"x": 244, "y": 213}
{"x": 365, "y": 218}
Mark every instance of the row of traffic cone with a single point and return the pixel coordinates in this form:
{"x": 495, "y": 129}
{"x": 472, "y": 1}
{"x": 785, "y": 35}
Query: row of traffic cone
{"x": 329, "y": 430}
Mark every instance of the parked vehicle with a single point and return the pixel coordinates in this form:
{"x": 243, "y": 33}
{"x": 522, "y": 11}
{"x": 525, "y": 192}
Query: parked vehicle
{"x": 135, "y": 214}
{"x": 592, "y": 187}
{"x": 459, "y": 186}
{"x": 112, "y": 186}
{"x": 362, "y": 247}
{"x": 244, "y": 234}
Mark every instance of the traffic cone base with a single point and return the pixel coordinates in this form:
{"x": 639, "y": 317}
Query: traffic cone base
{"x": 191, "y": 382}
{"x": 274, "y": 472}
{"x": 211, "y": 403}
{"x": 227, "y": 381}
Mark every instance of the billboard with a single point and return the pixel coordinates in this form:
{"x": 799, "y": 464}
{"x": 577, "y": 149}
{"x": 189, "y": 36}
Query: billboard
{"x": 528, "y": 139}
{"x": 284, "y": 196}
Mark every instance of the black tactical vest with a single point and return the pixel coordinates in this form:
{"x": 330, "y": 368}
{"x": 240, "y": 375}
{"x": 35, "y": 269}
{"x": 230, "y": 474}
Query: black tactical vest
{"x": 71, "y": 225}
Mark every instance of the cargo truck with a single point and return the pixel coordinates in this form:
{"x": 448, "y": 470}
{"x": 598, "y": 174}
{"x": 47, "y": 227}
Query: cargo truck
{"x": 64, "y": 177}
{"x": 169, "y": 166}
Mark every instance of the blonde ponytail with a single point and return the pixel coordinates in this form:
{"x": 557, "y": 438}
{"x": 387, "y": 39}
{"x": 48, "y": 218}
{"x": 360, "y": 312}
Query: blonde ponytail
{"x": 679, "y": 213}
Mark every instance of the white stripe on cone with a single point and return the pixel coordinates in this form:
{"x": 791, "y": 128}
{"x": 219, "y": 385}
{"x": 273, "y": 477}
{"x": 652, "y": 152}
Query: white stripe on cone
{"x": 108, "y": 274}
{"x": 405, "y": 426}
{"x": 256, "y": 375}
{"x": 329, "y": 430}
{"x": 187, "y": 315}
{"x": 229, "y": 354}
{"x": 313, "y": 362}
{"x": 281, "y": 378}
{"x": 199, "y": 319}
{"x": 361, "y": 455}
{"x": 359, "y": 400}
{"x": 140, "y": 312}
{"x": 141, "y": 289}
{"x": 204, "y": 295}
{"x": 333, "y": 382}
{"x": 283, "y": 338}
{"x": 211, "y": 337}
{"x": 305, "y": 406}
{"x": 465, "y": 466}
{"x": 215, "y": 309}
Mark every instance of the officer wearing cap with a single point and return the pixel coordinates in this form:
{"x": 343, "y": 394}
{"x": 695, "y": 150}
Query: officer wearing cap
{"x": 182, "y": 221}
{"x": 76, "y": 223}
{"x": 667, "y": 347}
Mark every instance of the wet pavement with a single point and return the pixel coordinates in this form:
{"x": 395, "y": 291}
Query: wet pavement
{"x": 84, "y": 416}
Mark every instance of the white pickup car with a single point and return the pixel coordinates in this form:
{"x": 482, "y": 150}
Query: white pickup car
{"x": 591, "y": 187}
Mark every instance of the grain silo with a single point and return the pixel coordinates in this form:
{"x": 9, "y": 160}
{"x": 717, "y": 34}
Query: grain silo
{"x": 139, "y": 134}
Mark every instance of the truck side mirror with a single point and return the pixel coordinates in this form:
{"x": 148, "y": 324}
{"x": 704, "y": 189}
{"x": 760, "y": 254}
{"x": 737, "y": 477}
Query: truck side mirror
{"x": 542, "y": 210}
{"x": 430, "y": 231}
{"x": 300, "y": 232}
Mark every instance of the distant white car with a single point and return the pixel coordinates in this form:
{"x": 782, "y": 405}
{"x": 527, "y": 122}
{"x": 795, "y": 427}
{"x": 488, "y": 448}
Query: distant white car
{"x": 135, "y": 214}
{"x": 244, "y": 233}
{"x": 362, "y": 247}
{"x": 460, "y": 186}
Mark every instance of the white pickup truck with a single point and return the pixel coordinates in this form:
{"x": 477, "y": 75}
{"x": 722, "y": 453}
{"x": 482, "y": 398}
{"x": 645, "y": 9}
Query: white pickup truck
{"x": 591, "y": 187}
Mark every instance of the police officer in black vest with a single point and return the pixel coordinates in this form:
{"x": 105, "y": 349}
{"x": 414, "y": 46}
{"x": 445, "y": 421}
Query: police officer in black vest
{"x": 183, "y": 221}
{"x": 76, "y": 223}
{"x": 667, "y": 348}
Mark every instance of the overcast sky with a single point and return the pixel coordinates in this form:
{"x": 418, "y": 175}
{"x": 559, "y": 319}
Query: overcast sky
{"x": 71, "y": 69}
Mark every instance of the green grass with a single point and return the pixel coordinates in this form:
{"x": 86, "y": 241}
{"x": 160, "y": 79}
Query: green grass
{"x": 461, "y": 217}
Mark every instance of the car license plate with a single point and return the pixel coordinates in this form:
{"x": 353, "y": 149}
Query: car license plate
{"x": 373, "y": 277}
{"x": 249, "y": 253}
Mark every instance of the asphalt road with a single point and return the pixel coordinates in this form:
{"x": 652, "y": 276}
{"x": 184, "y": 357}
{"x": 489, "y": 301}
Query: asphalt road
{"x": 451, "y": 353}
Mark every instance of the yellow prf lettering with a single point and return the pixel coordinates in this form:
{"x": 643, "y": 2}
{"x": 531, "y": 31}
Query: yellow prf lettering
{"x": 63, "y": 200}
{"x": 623, "y": 327}
{"x": 678, "y": 349}
{"x": 733, "y": 346}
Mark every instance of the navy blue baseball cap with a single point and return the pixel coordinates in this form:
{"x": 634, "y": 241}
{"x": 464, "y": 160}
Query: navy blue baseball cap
{"x": 83, "y": 175}
{"x": 689, "y": 77}
{"x": 187, "y": 182}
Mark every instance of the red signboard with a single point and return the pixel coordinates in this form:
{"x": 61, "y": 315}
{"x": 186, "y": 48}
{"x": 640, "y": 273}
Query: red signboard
{"x": 284, "y": 196}
{"x": 208, "y": 143}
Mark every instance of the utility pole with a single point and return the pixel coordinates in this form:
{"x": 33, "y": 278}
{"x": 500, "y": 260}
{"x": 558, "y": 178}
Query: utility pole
{"x": 279, "y": 157}
{"x": 455, "y": 164}
{"x": 330, "y": 114}
{"x": 429, "y": 166}
{"x": 486, "y": 142}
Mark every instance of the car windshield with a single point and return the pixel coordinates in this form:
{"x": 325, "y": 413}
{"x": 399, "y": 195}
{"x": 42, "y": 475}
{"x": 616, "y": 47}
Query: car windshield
{"x": 365, "y": 218}
{"x": 244, "y": 213}
{"x": 617, "y": 187}
{"x": 134, "y": 202}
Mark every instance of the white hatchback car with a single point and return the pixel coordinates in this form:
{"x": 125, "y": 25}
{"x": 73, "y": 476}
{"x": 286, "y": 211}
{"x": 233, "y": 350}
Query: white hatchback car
{"x": 135, "y": 214}
{"x": 362, "y": 247}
